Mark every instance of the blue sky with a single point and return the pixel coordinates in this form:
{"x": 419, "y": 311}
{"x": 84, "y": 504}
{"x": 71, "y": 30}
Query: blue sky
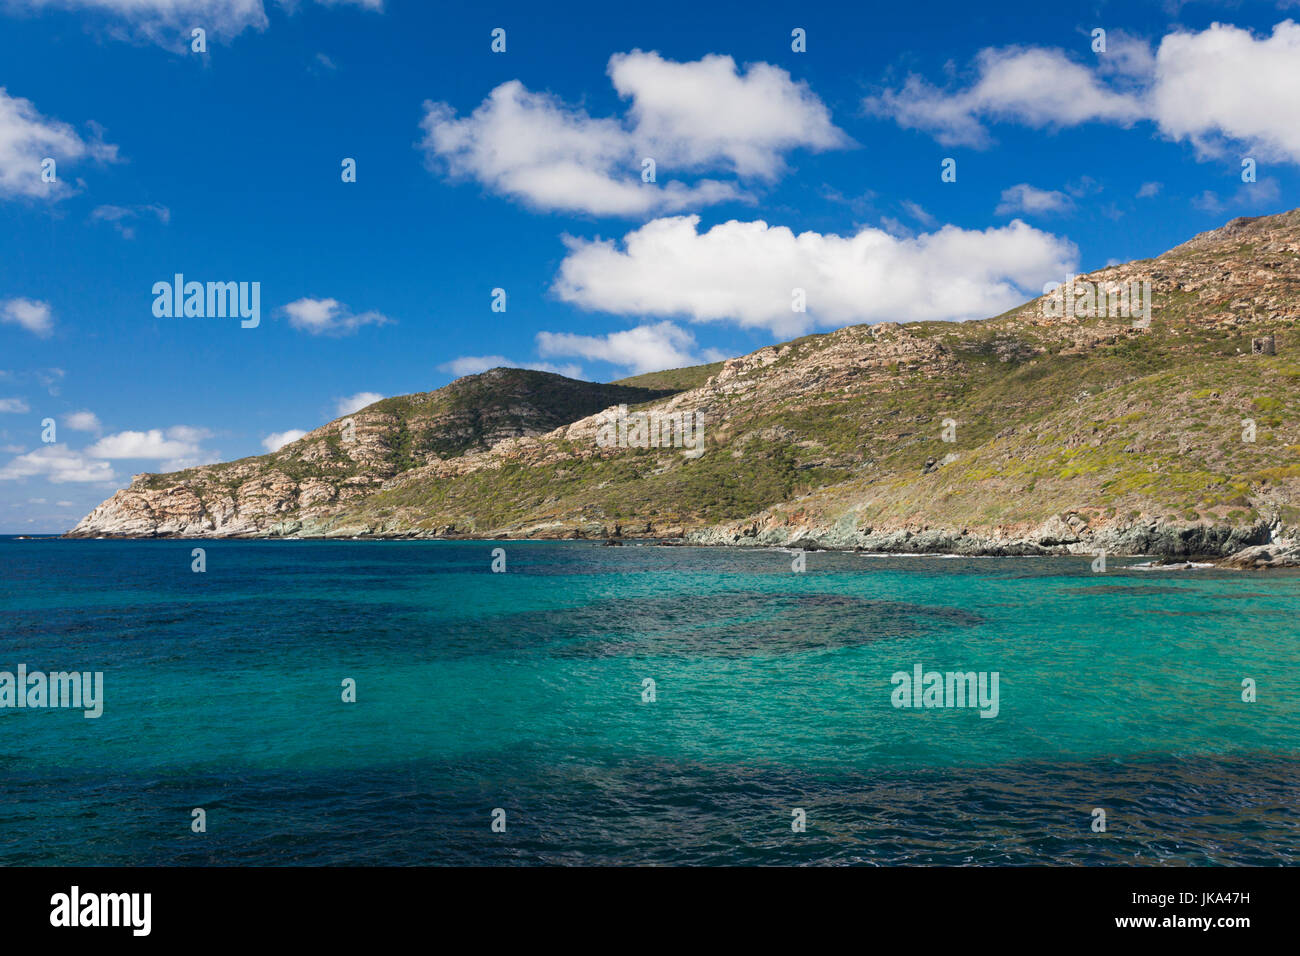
{"x": 522, "y": 170}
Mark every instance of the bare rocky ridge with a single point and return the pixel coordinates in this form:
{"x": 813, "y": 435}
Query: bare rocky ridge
{"x": 1068, "y": 435}
{"x": 343, "y": 462}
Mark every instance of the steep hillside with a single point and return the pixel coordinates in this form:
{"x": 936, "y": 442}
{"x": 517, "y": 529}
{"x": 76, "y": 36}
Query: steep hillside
{"x": 339, "y": 464}
{"x": 1029, "y": 432}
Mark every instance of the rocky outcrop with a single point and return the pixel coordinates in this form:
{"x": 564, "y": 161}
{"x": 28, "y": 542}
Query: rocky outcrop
{"x": 1282, "y": 555}
{"x": 1153, "y": 538}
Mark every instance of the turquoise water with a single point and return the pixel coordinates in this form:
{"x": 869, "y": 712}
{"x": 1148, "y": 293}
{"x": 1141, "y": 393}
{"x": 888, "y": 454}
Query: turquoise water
{"x": 523, "y": 691}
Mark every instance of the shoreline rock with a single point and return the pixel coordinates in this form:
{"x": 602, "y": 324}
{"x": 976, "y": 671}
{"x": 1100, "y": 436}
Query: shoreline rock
{"x": 1250, "y": 548}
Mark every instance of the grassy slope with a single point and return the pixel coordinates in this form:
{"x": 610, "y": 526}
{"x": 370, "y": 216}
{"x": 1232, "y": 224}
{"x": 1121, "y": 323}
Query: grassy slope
{"x": 1148, "y": 427}
{"x": 673, "y": 380}
{"x": 1132, "y": 427}
{"x": 467, "y": 415}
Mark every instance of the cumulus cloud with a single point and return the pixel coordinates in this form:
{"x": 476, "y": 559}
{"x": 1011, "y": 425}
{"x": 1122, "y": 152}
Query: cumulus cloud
{"x": 1223, "y": 86}
{"x": 646, "y": 348}
{"x": 277, "y": 440}
{"x": 36, "y": 317}
{"x": 747, "y": 273}
{"x": 180, "y": 442}
{"x": 15, "y": 406}
{"x": 27, "y": 138}
{"x": 354, "y": 403}
{"x": 687, "y": 117}
{"x": 1033, "y": 201}
{"x": 329, "y": 317}
{"x": 473, "y": 364}
{"x": 1127, "y": 61}
{"x": 189, "y": 433}
{"x": 83, "y": 421}
{"x": 1148, "y": 190}
{"x": 707, "y": 112}
{"x": 1038, "y": 87}
{"x": 530, "y": 147}
{"x": 58, "y": 464}
{"x": 1220, "y": 89}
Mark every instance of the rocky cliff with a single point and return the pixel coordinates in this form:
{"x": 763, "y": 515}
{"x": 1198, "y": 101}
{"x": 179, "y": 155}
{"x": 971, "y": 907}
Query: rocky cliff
{"x": 1032, "y": 432}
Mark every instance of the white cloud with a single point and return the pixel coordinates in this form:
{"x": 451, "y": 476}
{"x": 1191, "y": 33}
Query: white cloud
{"x": 646, "y": 348}
{"x": 83, "y": 421}
{"x": 1038, "y": 87}
{"x": 745, "y": 272}
{"x": 530, "y": 147}
{"x": 27, "y": 138}
{"x": 329, "y": 317}
{"x": 707, "y": 112}
{"x": 58, "y": 464}
{"x": 168, "y": 22}
{"x": 1031, "y": 200}
{"x": 473, "y": 364}
{"x": 180, "y": 443}
{"x": 354, "y": 403}
{"x": 1147, "y": 190}
{"x": 132, "y": 444}
{"x": 188, "y": 433}
{"x": 1128, "y": 59}
{"x": 36, "y": 317}
{"x": 1224, "y": 86}
{"x": 687, "y": 117}
{"x": 277, "y": 440}
{"x": 896, "y": 227}
{"x": 1222, "y": 89}
{"x": 14, "y": 406}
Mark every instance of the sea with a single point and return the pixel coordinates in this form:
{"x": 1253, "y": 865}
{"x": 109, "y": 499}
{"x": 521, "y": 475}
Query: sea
{"x": 304, "y": 703}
